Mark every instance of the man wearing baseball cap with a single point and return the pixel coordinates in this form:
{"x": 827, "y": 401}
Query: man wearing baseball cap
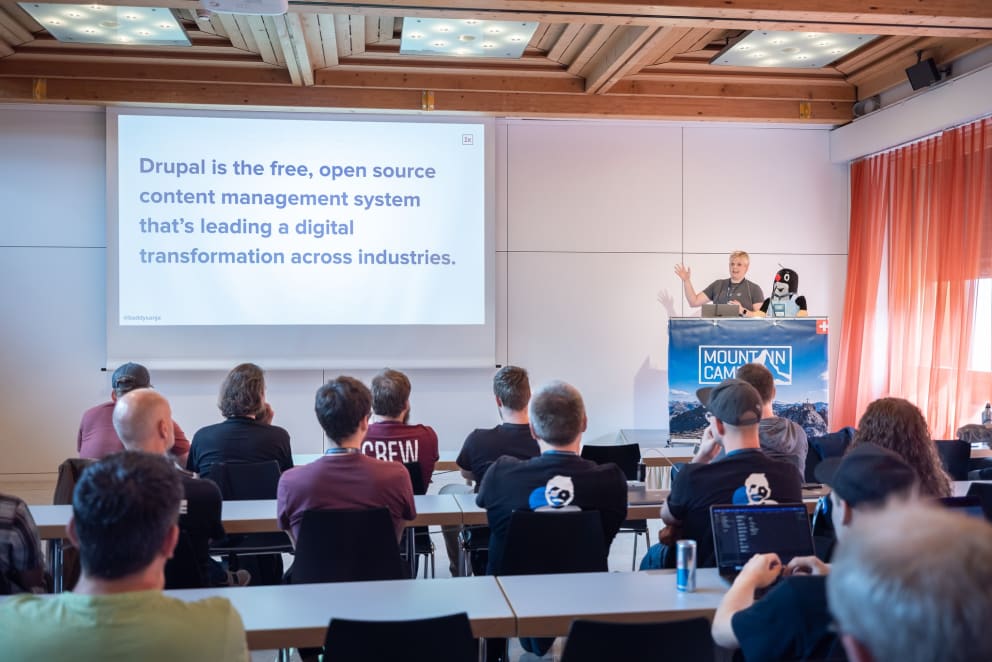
{"x": 745, "y": 475}
{"x": 97, "y": 437}
{"x": 866, "y": 479}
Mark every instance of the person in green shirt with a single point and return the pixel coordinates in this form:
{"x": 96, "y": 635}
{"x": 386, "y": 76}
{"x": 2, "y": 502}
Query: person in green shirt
{"x": 125, "y": 514}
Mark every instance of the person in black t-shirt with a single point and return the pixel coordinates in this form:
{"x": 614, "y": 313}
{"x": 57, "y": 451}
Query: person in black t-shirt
{"x": 143, "y": 421}
{"x": 745, "y": 475}
{"x": 866, "y": 479}
{"x": 247, "y": 434}
{"x": 558, "y": 478}
{"x": 482, "y": 447}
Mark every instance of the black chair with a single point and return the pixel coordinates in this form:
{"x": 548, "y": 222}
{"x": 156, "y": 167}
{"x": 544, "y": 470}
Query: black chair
{"x": 422, "y": 544}
{"x": 954, "y": 455}
{"x": 347, "y": 545}
{"x": 594, "y": 641}
{"x": 245, "y": 482}
{"x": 984, "y": 493}
{"x": 440, "y": 639}
{"x": 549, "y": 542}
{"x": 627, "y": 457}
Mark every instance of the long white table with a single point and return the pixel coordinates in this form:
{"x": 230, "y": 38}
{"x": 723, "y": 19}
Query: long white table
{"x": 546, "y": 605}
{"x": 532, "y": 605}
{"x": 297, "y": 615}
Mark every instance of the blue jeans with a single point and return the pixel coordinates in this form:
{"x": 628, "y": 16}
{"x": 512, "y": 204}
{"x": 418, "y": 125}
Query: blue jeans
{"x": 655, "y": 558}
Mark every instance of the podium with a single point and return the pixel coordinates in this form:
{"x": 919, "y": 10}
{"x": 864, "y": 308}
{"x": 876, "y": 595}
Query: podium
{"x": 705, "y": 351}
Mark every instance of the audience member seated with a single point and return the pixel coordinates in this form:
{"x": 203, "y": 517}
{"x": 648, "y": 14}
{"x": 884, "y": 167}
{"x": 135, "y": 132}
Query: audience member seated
{"x": 745, "y": 475}
{"x": 97, "y": 437}
{"x": 124, "y": 522}
{"x": 247, "y": 433}
{"x": 558, "y": 478}
{"x": 22, "y": 567}
{"x": 898, "y": 425}
{"x": 141, "y": 419}
{"x": 780, "y": 438}
{"x": 482, "y": 447}
{"x": 865, "y": 480}
{"x": 974, "y": 433}
{"x": 912, "y": 584}
{"x": 344, "y": 478}
{"x": 390, "y": 436}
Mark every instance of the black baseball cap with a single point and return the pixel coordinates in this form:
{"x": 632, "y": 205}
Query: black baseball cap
{"x": 866, "y": 474}
{"x": 129, "y": 377}
{"x": 733, "y": 401}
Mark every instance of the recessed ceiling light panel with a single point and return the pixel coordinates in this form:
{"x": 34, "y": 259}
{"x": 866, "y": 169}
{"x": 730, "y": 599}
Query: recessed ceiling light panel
{"x": 108, "y": 24}
{"x": 806, "y": 50}
{"x": 465, "y": 37}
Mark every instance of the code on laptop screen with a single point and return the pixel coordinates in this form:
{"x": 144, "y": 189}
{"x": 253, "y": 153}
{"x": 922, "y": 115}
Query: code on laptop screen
{"x": 740, "y": 532}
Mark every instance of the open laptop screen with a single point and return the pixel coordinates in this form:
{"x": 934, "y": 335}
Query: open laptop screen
{"x": 740, "y": 532}
{"x": 720, "y": 310}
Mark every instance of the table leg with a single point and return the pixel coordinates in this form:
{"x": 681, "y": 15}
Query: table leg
{"x": 411, "y": 551}
{"x": 55, "y": 564}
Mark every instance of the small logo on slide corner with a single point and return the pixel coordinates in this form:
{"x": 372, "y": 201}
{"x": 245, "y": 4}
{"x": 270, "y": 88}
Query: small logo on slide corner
{"x": 468, "y": 139}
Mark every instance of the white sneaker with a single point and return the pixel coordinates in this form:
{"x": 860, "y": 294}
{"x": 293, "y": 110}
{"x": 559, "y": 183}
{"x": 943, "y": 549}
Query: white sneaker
{"x": 238, "y": 578}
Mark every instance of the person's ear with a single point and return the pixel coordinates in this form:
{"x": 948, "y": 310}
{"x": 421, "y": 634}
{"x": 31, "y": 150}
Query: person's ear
{"x": 363, "y": 425}
{"x": 499, "y": 403}
{"x": 170, "y": 542}
{"x": 585, "y": 422}
{"x": 533, "y": 432}
{"x": 113, "y": 395}
{"x": 721, "y": 429}
{"x": 856, "y": 651}
{"x": 846, "y": 512}
{"x": 70, "y": 530}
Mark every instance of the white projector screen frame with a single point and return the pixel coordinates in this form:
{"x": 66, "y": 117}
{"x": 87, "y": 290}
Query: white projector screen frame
{"x": 442, "y": 343}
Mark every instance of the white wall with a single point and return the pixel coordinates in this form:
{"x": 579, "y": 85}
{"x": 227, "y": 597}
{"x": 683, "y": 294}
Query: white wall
{"x": 591, "y": 218}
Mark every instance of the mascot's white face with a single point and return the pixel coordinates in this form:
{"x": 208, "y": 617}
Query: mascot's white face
{"x": 559, "y": 491}
{"x": 780, "y": 290}
{"x": 758, "y": 490}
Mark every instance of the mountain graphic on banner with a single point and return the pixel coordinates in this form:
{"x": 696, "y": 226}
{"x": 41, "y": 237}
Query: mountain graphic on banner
{"x": 781, "y": 377}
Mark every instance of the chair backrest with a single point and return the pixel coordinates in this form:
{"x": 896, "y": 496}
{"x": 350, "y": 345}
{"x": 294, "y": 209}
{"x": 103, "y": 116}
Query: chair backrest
{"x": 954, "y": 455}
{"x": 625, "y": 456}
{"x": 416, "y": 477}
{"x": 812, "y": 460}
{"x": 594, "y": 641}
{"x": 984, "y": 493}
{"x": 549, "y": 542}
{"x": 347, "y": 545}
{"x": 440, "y": 639}
{"x": 244, "y": 481}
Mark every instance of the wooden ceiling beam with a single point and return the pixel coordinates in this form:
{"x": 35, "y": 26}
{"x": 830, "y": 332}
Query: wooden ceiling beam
{"x": 554, "y": 105}
{"x": 618, "y": 49}
{"x": 137, "y": 71}
{"x": 696, "y": 86}
{"x": 564, "y": 40}
{"x": 475, "y": 80}
{"x": 662, "y": 41}
{"x": 328, "y": 39}
{"x": 11, "y": 31}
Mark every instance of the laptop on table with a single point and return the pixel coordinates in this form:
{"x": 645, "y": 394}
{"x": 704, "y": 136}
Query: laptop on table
{"x": 720, "y": 310}
{"x": 741, "y": 531}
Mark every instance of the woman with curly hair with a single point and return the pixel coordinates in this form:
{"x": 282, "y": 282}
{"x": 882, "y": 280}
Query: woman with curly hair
{"x": 898, "y": 425}
{"x": 247, "y": 434}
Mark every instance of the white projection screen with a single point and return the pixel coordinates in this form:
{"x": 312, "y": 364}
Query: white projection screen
{"x": 299, "y": 240}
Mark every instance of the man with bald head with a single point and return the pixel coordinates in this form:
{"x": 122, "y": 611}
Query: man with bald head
{"x": 143, "y": 421}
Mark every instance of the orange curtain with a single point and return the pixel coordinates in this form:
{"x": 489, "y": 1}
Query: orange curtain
{"x": 920, "y": 238}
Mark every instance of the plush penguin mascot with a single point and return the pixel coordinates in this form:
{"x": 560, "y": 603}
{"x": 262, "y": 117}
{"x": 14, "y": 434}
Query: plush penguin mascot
{"x": 784, "y": 302}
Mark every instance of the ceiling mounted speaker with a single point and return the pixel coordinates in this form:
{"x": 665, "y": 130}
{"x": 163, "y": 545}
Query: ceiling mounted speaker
{"x": 923, "y": 74}
{"x": 260, "y": 7}
{"x": 865, "y": 106}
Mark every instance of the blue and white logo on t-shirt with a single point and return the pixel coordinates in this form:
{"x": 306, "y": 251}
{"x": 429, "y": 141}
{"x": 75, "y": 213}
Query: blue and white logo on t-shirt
{"x": 558, "y": 493}
{"x": 754, "y": 491}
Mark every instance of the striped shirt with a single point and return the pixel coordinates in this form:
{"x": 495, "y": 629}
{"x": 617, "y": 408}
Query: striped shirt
{"x": 20, "y": 546}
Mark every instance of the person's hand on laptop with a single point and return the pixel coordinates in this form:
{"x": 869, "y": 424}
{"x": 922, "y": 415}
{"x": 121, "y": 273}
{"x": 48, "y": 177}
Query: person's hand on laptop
{"x": 807, "y": 565}
{"x": 761, "y": 571}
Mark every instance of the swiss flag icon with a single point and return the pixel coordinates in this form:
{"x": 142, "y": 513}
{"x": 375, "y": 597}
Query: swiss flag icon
{"x": 822, "y": 327}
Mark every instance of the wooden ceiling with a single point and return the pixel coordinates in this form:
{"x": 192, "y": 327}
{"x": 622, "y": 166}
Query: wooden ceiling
{"x": 587, "y": 59}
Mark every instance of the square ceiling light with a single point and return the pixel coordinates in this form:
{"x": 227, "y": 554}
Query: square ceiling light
{"x": 790, "y": 49}
{"x": 465, "y": 37}
{"x": 104, "y": 24}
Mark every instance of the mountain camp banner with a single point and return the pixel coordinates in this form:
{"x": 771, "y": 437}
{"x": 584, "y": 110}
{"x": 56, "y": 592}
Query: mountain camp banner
{"x": 704, "y": 352}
